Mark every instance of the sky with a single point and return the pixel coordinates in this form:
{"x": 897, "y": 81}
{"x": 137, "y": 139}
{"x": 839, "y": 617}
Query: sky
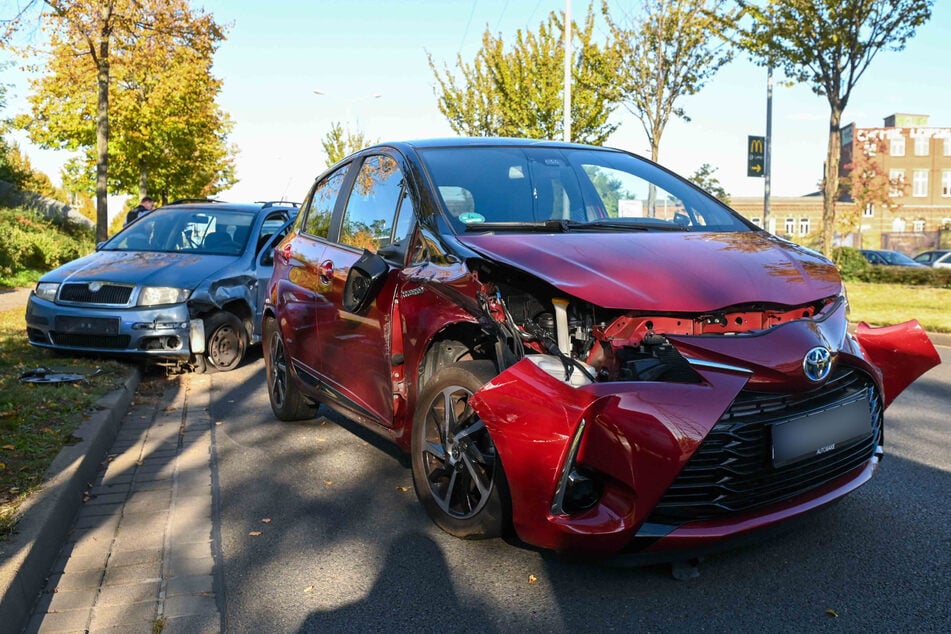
{"x": 367, "y": 59}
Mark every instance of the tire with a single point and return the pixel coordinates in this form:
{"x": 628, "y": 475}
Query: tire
{"x": 457, "y": 472}
{"x": 287, "y": 402}
{"x": 226, "y": 341}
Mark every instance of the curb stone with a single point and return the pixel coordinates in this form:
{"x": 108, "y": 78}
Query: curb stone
{"x": 27, "y": 555}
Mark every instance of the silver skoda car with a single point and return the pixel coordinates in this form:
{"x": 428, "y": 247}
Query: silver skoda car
{"x": 182, "y": 285}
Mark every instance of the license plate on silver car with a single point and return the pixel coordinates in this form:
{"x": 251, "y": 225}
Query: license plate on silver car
{"x": 820, "y": 432}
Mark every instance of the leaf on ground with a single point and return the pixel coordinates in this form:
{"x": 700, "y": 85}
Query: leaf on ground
{"x": 309, "y": 589}
{"x": 832, "y": 613}
{"x": 255, "y": 533}
{"x": 9, "y": 447}
{"x": 321, "y": 439}
{"x": 328, "y": 483}
{"x": 532, "y": 579}
{"x": 218, "y": 422}
{"x": 402, "y": 489}
{"x": 265, "y": 520}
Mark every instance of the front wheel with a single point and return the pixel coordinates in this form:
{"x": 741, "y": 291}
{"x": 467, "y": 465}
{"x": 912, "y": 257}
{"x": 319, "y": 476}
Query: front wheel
{"x": 457, "y": 472}
{"x": 287, "y": 402}
{"x": 226, "y": 342}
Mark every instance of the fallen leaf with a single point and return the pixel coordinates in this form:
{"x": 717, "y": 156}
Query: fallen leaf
{"x": 328, "y": 483}
{"x": 832, "y": 613}
{"x": 403, "y": 489}
{"x": 532, "y": 578}
{"x": 255, "y": 533}
{"x": 266, "y": 520}
{"x": 10, "y": 447}
{"x": 309, "y": 589}
{"x": 218, "y": 422}
{"x": 321, "y": 440}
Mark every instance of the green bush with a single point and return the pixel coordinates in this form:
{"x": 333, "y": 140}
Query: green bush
{"x": 31, "y": 242}
{"x": 851, "y": 262}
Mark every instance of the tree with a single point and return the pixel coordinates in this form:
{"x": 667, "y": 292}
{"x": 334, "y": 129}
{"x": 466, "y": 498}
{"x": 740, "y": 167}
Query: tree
{"x": 868, "y": 183}
{"x": 88, "y": 40}
{"x": 667, "y": 51}
{"x": 705, "y": 179}
{"x": 340, "y": 143}
{"x": 517, "y": 91}
{"x": 829, "y": 44}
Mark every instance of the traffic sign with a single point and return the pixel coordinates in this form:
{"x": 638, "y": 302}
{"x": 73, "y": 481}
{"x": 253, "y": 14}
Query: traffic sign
{"x": 756, "y": 156}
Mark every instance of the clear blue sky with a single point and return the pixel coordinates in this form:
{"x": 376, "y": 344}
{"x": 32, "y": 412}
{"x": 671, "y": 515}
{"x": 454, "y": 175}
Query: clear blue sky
{"x": 278, "y": 53}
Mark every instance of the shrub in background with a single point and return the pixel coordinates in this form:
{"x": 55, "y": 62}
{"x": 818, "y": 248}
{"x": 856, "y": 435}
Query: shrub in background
{"x": 31, "y": 242}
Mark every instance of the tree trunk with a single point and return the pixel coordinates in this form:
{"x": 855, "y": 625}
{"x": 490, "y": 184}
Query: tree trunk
{"x": 102, "y": 141}
{"x": 830, "y": 181}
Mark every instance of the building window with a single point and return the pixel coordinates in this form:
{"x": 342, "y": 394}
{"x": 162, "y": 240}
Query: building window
{"x": 921, "y": 145}
{"x": 898, "y": 225}
{"x": 869, "y": 211}
{"x": 896, "y": 179}
{"x": 947, "y": 146}
{"x": 790, "y": 226}
{"x": 897, "y": 146}
{"x": 946, "y": 183}
{"x": 803, "y": 226}
{"x": 919, "y": 183}
{"x": 918, "y": 226}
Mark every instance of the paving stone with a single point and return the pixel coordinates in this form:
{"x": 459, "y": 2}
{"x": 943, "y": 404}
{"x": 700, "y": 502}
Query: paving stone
{"x": 130, "y": 593}
{"x": 129, "y": 615}
{"x": 82, "y": 599}
{"x": 193, "y": 624}
{"x": 190, "y": 584}
{"x": 192, "y": 566}
{"x": 188, "y": 604}
{"x": 77, "y": 563}
{"x": 69, "y": 621}
{"x": 133, "y": 573}
{"x": 133, "y": 557}
{"x": 70, "y": 581}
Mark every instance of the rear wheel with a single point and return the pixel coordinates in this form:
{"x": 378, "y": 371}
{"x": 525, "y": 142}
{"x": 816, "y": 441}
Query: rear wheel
{"x": 226, "y": 342}
{"x": 287, "y": 402}
{"x": 456, "y": 471}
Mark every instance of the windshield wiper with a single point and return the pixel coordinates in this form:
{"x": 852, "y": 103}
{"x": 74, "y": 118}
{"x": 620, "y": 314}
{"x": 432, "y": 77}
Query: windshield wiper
{"x": 634, "y": 224}
{"x": 538, "y": 226}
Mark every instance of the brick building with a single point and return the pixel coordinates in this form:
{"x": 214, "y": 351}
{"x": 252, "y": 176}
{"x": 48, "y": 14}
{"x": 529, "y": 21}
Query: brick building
{"x": 916, "y": 158}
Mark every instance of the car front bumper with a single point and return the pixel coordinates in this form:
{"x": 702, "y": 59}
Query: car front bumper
{"x": 163, "y": 332}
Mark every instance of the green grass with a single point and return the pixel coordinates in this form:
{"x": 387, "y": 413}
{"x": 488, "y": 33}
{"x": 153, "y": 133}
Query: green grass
{"x": 36, "y": 421}
{"x": 887, "y": 304}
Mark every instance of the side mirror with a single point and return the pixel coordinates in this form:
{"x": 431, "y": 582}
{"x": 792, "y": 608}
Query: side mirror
{"x": 364, "y": 280}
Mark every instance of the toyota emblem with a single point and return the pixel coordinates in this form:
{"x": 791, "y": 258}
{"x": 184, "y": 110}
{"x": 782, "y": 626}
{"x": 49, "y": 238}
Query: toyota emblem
{"x": 817, "y": 364}
{"x": 94, "y": 287}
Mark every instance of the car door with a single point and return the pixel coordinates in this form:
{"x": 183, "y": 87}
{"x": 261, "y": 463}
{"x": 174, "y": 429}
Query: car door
{"x": 300, "y": 280}
{"x": 378, "y": 216}
{"x": 274, "y": 228}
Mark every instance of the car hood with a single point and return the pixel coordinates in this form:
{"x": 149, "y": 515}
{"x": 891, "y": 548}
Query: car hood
{"x": 671, "y": 272}
{"x": 148, "y": 268}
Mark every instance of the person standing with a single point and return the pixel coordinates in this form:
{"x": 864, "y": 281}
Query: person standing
{"x": 145, "y": 206}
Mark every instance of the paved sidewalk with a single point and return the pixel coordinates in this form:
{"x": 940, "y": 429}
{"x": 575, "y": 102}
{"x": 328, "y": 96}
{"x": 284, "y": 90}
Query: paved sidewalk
{"x": 140, "y": 557}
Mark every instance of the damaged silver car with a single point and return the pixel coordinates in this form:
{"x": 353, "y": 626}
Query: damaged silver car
{"x": 181, "y": 286}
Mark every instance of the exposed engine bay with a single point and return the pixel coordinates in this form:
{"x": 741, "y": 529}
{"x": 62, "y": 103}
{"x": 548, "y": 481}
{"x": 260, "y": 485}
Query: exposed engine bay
{"x": 593, "y": 344}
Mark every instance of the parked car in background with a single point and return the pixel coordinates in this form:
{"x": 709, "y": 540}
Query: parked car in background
{"x": 576, "y": 343}
{"x": 888, "y": 258}
{"x": 182, "y": 285}
{"x": 939, "y": 259}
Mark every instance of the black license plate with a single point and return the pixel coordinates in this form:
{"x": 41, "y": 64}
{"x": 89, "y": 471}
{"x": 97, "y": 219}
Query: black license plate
{"x": 820, "y": 432}
{"x": 87, "y": 325}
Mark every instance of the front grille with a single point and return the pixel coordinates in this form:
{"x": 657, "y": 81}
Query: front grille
{"x": 732, "y": 470}
{"x": 112, "y": 294}
{"x": 108, "y": 342}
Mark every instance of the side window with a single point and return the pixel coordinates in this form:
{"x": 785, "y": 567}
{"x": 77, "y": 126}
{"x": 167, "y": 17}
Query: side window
{"x": 321, "y": 208}
{"x": 371, "y": 208}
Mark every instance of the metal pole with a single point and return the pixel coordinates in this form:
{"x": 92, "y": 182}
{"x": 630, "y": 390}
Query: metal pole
{"x": 567, "y": 89}
{"x": 768, "y": 159}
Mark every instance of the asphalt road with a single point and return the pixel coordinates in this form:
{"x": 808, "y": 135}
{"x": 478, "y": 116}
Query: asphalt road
{"x": 320, "y": 531}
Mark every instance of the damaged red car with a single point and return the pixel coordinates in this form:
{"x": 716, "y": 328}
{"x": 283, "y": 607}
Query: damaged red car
{"x": 579, "y": 346}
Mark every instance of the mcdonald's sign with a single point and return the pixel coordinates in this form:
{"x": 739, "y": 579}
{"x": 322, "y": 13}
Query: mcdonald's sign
{"x": 756, "y": 156}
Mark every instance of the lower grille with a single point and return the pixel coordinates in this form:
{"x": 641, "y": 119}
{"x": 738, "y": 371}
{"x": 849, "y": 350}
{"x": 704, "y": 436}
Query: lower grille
{"x": 732, "y": 470}
{"x": 91, "y": 341}
{"x": 111, "y": 294}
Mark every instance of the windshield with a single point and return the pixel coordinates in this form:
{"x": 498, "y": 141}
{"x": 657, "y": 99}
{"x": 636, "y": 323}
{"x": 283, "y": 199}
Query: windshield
{"x": 514, "y": 188}
{"x": 204, "y": 231}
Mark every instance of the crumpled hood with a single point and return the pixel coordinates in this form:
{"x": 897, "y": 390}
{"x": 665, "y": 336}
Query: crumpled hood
{"x": 663, "y": 271}
{"x": 147, "y": 268}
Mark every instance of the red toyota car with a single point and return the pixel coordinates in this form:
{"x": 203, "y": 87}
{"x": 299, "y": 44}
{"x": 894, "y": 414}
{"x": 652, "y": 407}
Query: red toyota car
{"x": 578, "y": 345}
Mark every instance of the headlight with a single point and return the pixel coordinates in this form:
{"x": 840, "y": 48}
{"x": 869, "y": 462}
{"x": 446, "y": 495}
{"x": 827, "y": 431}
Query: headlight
{"x": 47, "y": 290}
{"x": 158, "y": 295}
